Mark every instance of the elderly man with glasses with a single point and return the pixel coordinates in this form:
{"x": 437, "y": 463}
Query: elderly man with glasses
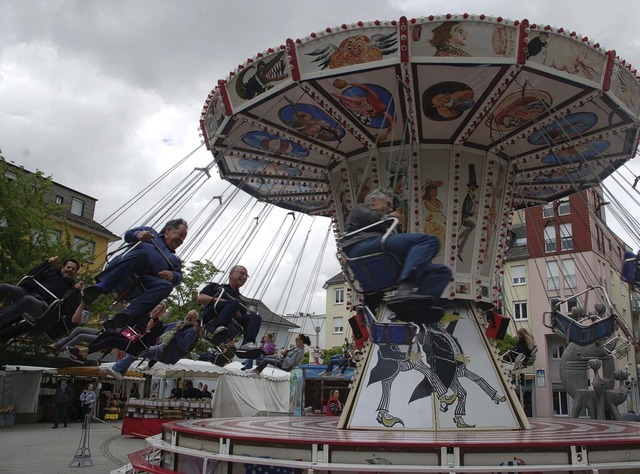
{"x": 224, "y": 303}
{"x": 420, "y": 282}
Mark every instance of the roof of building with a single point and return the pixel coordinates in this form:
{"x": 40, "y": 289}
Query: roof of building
{"x": 518, "y": 252}
{"x": 269, "y": 316}
{"x": 336, "y": 279}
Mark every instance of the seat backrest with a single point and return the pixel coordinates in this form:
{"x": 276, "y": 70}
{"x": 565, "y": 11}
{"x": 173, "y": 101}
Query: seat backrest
{"x": 631, "y": 269}
{"x": 376, "y": 272}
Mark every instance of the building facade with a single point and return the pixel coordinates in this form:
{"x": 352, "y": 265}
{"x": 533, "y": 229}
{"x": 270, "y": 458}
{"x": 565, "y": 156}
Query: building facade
{"x": 78, "y": 220}
{"x": 559, "y": 250}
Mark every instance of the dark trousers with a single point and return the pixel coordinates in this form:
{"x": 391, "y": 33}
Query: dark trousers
{"x": 225, "y": 312}
{"x": 20, "y": 301}
{"x": 60, "y": 414}
{"x": 415, "y": 251}
{"x": 121, "y": 272}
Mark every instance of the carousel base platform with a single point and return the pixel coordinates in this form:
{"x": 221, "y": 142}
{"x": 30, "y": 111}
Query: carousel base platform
{"x": 315, "y": 444}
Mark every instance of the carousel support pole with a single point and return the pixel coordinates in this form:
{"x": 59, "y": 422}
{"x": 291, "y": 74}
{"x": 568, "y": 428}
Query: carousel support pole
{"x": 82, "y": 457}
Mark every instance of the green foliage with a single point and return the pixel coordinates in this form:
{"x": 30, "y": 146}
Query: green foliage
{"x": 183, "y": 297}
{"x": 28, "y": 233}
{"x": 506, "y": 344}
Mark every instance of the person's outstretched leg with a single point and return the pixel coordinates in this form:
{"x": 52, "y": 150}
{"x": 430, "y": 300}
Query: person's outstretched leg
{"x": 434, "y": 281}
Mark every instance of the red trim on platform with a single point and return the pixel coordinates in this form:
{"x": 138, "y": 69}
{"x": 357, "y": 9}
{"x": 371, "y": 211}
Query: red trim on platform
{"x": 138, "y": 461}
{"x": 293, "y": 59}
{"x": 222, "y": 84}
{"x": 142, "y": 427}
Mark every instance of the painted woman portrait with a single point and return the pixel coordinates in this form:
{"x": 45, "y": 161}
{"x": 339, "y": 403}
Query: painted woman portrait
{"x": 435, "y": 222}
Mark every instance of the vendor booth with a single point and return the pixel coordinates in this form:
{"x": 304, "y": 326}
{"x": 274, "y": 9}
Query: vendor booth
{"x": 234, "y": 394}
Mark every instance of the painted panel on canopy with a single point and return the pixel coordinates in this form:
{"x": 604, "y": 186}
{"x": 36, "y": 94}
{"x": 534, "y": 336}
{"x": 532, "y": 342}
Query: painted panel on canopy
{"x": 394, "y": 389}
{"x": 254, "y": 140}
{"x": 491, "y": 219}
{"x": 341, "y": 186}
{"x": 575, "y": 173}
{"x": 313, "y": 205}
{"x": 274, "y": 189}
{"x": 538, "y": 192}
{"x": 395, "y": 170}
{"x": 371, "y": 101}
{"x": 364, "y": 176}
{"x": 579, "y": 152}
{"x": 529, "y": 98}
{"x": 566, "y": 55}
{"x": 348, "y": 48}
{"x": 258, "y": 77}
{"x": 253, "y": 167}
{"x": 592, "y": 118}
{"x": 295, "y": 114}
{"x": 625, "y": 86}
{"x": 463, "y": 39}
{"x": 472, "y": 178}
{"x": 215, "y": 115}
{"x": 447, "y": 94}
{"x": 436, "y": 189}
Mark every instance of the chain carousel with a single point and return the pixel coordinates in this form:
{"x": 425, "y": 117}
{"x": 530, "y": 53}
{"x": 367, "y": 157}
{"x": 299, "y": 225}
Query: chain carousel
{"x": 466, "y": 118}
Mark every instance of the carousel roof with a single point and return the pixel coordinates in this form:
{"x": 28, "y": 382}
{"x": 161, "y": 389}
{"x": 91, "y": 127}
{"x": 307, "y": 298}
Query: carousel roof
{"x": 291, "y": 122}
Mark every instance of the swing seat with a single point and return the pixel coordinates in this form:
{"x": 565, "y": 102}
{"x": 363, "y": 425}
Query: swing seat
{"x": 377, "y": 272}
{"x": 389, "y": 333}
{"x": 580, "y": 333}
{"x": 631, "y": 269}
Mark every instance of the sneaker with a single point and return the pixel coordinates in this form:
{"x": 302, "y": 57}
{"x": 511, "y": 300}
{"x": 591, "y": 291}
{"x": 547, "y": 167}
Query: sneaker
{"x": 116, "y": 375}
{"x": 252, "y": 372}
{"x": 90, "y": 294}
{"x": 74, "y": 354}
{"x": 55, "y": 350}
{"x": 249, "y": 346}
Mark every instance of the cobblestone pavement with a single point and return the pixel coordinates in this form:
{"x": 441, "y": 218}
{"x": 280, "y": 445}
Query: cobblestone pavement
{"x": 35, "y": 447}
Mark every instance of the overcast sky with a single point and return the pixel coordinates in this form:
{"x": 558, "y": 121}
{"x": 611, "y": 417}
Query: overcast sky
{"x": 106, "y": 95}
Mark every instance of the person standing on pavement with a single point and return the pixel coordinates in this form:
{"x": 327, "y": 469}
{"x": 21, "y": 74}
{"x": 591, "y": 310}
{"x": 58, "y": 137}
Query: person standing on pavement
{"x": 61, "y": 400}
{"x": 88, "y": 400}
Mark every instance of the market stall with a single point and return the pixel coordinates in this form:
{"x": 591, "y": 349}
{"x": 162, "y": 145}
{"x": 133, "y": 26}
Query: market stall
{"x": 235, "y": 394}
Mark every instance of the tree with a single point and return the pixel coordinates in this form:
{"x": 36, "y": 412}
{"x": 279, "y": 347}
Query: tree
{"x": 29, "y": 225}
{"x": 183, "y": 298}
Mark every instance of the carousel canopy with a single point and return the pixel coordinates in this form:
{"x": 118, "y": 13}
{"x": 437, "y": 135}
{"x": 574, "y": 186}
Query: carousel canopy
{"x": 465, "y": 99}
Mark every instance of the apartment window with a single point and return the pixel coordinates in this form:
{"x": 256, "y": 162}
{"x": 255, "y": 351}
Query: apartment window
{"x": 84, "y": 245}
{"x": 10, "y": 175}
{"x": 550, "y": 239}
{"x": 566, "y": 237}
{"x": 547, "y": 210}
{"x": 518, "y": 275}
{"x": 338, "y": 325}
{"x": 563, "y": 207}
{"x": 520, "y": 311}
{"x": 560, "y": 403}
{"x": 569, "y": 272}
{"x": 556, "y": 351}
{"x": 59, "y": 200}
{"x": 338, "y": 296}
{"x": 553, "y": 276}
{"x": 77, "y": 206}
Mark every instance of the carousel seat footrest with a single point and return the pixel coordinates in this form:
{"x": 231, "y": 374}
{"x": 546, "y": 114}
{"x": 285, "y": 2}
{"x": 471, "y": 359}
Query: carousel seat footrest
{"x": 393, "y": 333}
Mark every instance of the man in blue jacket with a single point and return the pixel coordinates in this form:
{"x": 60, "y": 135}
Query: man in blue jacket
{"x": 185, "y": 336}
{"x": 153, "y": 259}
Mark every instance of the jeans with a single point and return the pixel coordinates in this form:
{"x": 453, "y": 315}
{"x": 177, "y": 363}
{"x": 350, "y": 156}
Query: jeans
{"x": 121, "y": 271}
{"x": 21, "y": 301}
{"x": 415, "y": 251}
